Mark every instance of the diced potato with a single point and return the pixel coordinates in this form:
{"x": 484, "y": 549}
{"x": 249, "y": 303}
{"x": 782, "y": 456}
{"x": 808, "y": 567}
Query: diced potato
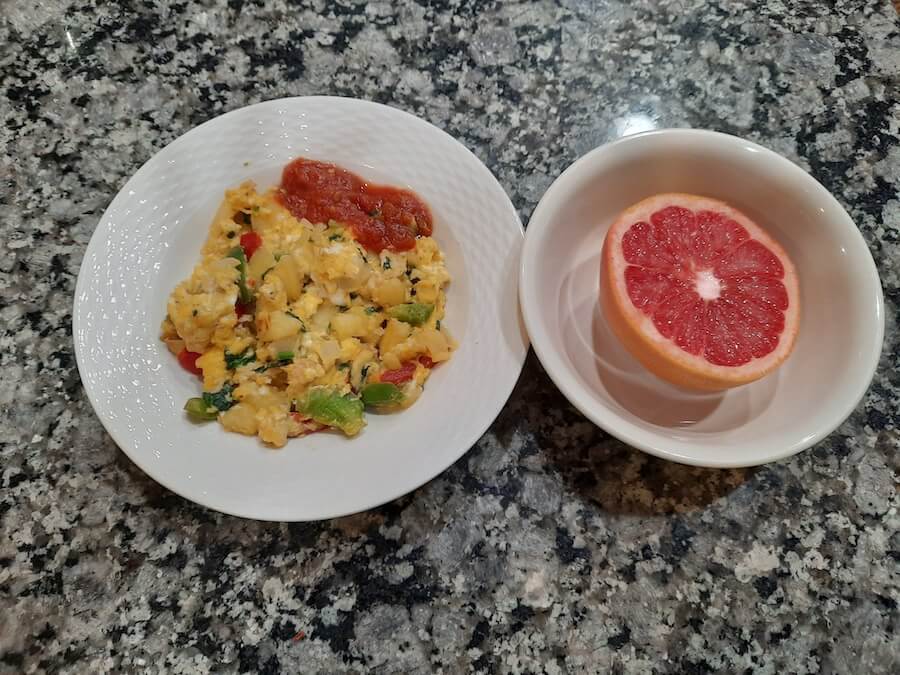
{"x": 394, "y": 333}
{"x": 259, "y": 264}
{"x": 241, "y": 418}
{"x": 338, "y": 260}
{"x": 271, "y": 326}
{"x": 350, "y": 347}
{"x": 306, "y": 305}
{"x": 410, "y": 348}
{"x": 426, "y": 291}
{"x": 300, "y": 373}
{"x": 212, "y": 363}
{"x": 238, "y": 343}
{"x": 286, "y": 270}
{"x": 334, "y": 379}
{"x": 350, "y": 324}
{"x": 390, "y": 361}
{"x": 329, "y": 350}
{"x": 322, "y": 318}
{"x": 436, "y": 343}
{"x": 304, "y": 256}
{"x": 259, "y": 395}
{"x": 390, "y": 292}
{"x": 273, "y": 425}
{"x": 271, "y": 295}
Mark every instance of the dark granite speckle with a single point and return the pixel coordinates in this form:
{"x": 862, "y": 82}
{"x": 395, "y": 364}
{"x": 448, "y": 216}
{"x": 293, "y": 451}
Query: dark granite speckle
{"x": 550, "y": 547}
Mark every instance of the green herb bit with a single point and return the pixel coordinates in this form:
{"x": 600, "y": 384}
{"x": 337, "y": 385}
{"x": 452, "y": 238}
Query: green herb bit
{"x": 280, "y": 363}
{"x": 381, "y": 395}
{"x": 328, "y": 407}
{"x": 233, "y": 361}
{"x": 373, "y": 310}
{"x": 437, "y": 324}
{"x": 386, "y": 265}
{"x": 343, "y": 365}
{"x": 221, "y": 400}
{"x": 244, "y": 293}
{"x": 335, "y": 237}
{"x": 284, "y": 356}
{"x": 413, "y": 313}
{"x": 198, "y": 409}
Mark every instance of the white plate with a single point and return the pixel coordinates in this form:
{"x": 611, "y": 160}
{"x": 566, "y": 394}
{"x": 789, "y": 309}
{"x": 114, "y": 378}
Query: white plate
{"x": 842, "y": 313}
{"x": 150, "y": 237}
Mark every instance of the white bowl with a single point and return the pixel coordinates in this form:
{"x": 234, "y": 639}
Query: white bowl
{"x": 150, "y": 237}
{"x": 842, "y": 322}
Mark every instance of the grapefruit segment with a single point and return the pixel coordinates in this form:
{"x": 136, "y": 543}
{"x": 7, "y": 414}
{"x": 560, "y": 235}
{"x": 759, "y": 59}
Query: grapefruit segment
{"x": 698, "y": 292}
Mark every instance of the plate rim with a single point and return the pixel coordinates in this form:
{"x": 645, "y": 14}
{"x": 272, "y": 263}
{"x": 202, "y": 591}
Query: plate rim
{"x": 611, "y": 422}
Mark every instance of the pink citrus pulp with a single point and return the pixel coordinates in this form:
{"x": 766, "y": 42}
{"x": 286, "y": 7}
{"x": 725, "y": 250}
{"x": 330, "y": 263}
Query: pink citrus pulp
{"x": 698, "y": 292}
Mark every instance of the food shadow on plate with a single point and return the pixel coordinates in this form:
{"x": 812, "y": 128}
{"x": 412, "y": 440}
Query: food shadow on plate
{"x": 615, "y": 375}
{"x": 626, "y": 381}
{"x": 609, "y": 369}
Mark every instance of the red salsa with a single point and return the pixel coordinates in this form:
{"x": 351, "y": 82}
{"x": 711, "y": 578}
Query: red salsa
{"x": 380, "y": 216}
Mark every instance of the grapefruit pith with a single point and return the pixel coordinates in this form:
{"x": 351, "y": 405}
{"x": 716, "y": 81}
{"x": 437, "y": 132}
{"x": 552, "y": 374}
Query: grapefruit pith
{"x": 698, "y": 292}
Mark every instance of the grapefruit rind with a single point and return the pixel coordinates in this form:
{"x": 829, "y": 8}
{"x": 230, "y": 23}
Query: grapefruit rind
{"x": 637, "y": 331}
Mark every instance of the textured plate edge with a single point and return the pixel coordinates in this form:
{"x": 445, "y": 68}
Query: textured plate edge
{"x": 100, "y": 232}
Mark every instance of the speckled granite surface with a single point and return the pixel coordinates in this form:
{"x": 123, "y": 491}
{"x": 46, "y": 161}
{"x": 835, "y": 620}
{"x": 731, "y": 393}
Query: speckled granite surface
{"x": 548, "y": 548}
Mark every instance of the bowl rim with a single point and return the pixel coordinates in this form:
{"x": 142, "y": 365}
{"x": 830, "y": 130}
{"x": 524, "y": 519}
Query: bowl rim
{"x": 606, "y": 418}
{"x": 160, "y": 476}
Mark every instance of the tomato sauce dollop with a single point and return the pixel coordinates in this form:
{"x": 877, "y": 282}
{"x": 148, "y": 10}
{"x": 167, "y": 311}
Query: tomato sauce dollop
{"x": 380, "y": 216}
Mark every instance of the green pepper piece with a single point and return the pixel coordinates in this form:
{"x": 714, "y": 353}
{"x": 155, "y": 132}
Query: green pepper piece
{"x": 284, "y": 356}
{"x": 246, "y": 297}
{"x": 198, "y": 409}
{"x": 381, "y": 394}
{"x": 413, "y": 313}
{"x": 328, "y": 407}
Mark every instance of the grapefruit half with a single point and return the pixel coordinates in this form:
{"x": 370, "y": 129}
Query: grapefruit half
{"x": 698, "y": 292}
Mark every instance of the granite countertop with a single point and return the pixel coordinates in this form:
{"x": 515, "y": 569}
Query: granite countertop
{"x": 550, "y": 547}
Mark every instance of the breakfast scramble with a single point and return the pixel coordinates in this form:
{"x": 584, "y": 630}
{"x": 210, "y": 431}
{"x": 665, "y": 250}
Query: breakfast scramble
{"x": 294, "y": 326}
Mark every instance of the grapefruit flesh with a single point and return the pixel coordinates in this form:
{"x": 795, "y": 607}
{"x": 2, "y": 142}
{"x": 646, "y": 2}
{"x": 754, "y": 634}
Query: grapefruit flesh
{"x": 698, "y": 292}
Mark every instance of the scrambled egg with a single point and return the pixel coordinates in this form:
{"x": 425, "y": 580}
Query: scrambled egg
{"x": 311, "y": 329}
